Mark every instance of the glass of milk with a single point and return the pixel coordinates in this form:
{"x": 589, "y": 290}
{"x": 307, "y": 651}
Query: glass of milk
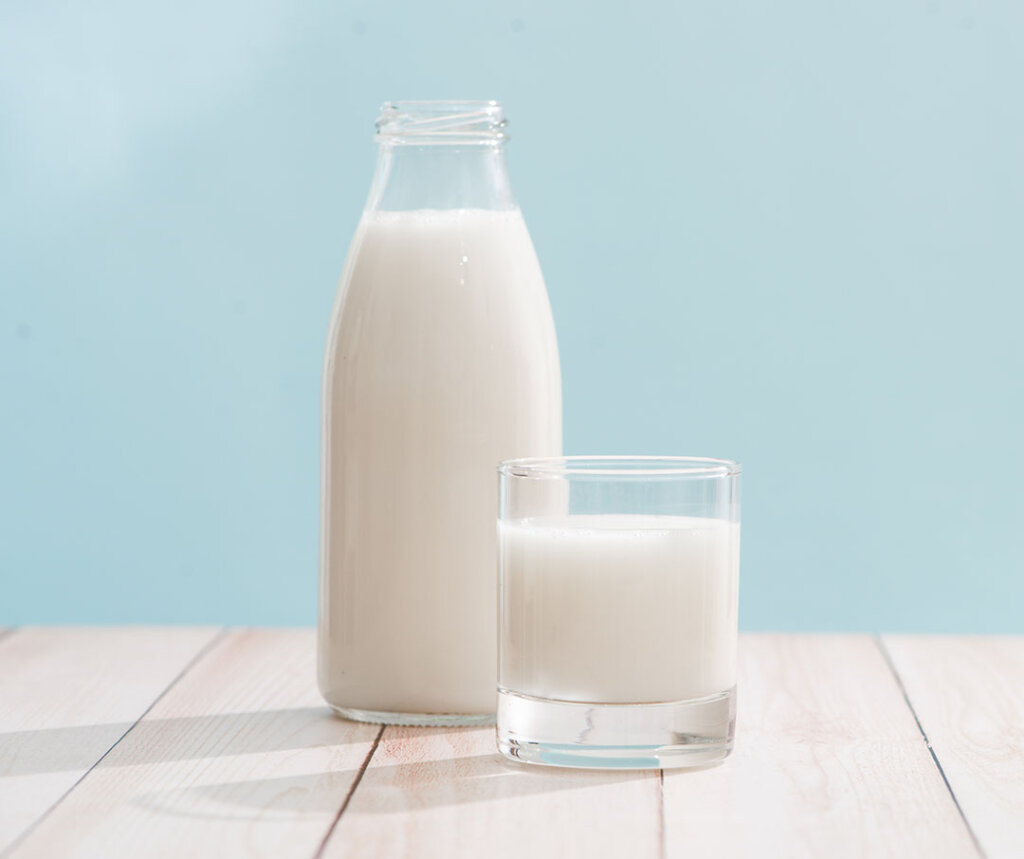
{"x": 618, "y": 610}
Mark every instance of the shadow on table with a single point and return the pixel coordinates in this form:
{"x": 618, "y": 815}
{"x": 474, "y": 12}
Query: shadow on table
{"x": 397, "y": 788}
{"x": 175, "y": 739}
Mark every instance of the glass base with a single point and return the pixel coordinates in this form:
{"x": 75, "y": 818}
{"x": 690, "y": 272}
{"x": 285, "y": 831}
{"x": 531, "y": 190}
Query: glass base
{"x": 422, "y": 720}
{"x": 693, "y": 733}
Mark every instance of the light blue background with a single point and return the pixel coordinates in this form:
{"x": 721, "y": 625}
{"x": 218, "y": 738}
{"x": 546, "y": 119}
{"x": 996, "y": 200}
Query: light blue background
{"x": 786, "y": 232}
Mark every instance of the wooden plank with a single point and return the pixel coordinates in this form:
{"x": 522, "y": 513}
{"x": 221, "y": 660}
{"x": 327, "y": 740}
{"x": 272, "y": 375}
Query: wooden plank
{"x": 829, "y": 762}
{"x": 66, "y": 696}
{"x": 240, "y": 758}
{"x": 968, "y": 694}
{"x": 447, "y": 792}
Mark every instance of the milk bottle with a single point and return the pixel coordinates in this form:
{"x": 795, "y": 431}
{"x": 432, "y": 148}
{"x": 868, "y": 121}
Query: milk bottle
{"x": 441, "y": 361}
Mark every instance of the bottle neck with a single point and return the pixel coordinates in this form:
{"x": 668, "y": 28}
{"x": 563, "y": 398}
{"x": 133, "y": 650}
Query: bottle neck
{"x": 440, "y": 176}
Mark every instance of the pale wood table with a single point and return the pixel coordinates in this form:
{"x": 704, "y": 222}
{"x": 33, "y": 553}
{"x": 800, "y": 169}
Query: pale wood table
{"x": 205, "y": 742}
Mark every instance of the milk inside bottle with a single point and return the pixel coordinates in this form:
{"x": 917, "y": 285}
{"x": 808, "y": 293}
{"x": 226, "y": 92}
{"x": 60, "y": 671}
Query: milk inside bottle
{"x": 441, "y": 361}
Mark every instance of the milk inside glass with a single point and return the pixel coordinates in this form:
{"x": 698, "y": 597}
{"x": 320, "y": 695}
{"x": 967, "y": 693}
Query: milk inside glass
{"x": 441, "y": 362}
{"x": 619, "y": 608}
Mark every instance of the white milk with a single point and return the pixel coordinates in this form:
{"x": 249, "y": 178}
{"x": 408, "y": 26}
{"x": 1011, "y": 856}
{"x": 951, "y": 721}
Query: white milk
{"x": 441, "y": 362}
{"x": 619, "y": 608}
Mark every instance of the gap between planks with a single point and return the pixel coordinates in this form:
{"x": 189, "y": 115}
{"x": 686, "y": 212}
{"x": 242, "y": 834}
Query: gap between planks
{"x": 348, "y": 796}
{"x": 662, "y": 841}
{"x": 205, "y": 649}
{"x": 880, "y": 644}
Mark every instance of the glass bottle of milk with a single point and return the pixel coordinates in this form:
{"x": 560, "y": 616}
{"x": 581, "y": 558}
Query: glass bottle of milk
{"x": 441, "y": 362}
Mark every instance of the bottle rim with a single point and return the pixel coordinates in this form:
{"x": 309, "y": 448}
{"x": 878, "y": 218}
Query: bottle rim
{"x": 428, "y": 122}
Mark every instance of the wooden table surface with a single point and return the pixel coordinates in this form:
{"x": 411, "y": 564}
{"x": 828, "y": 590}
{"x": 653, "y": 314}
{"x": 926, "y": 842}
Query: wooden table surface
{"x": 205, "y": 742}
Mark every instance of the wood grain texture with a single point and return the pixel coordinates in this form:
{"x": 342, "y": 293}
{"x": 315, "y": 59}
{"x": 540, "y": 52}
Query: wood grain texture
{"x": 447, "y": 792}
{"x": 240, "y": 758}
{"x": 968, "y": 694}
{"x": 66, "y": 696}
{"x": 829, "y": 762}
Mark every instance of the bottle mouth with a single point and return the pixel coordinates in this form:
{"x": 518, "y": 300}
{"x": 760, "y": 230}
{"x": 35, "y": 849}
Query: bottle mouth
{"x": 432, "y": 122}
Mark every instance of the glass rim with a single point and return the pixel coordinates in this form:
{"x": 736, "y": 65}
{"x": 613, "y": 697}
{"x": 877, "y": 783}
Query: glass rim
{"x": 683, "y": 467}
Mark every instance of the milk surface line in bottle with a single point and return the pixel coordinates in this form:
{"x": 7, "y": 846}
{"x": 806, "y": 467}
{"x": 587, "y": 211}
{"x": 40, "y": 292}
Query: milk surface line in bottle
{"x": 441, "y": 361}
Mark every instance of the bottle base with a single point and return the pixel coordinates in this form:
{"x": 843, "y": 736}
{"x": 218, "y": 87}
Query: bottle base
{"x": 421, "y": 720}
{"x": 675, "y": 734}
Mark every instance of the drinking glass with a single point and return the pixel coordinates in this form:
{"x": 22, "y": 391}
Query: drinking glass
{"x": 618, "y": 588}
